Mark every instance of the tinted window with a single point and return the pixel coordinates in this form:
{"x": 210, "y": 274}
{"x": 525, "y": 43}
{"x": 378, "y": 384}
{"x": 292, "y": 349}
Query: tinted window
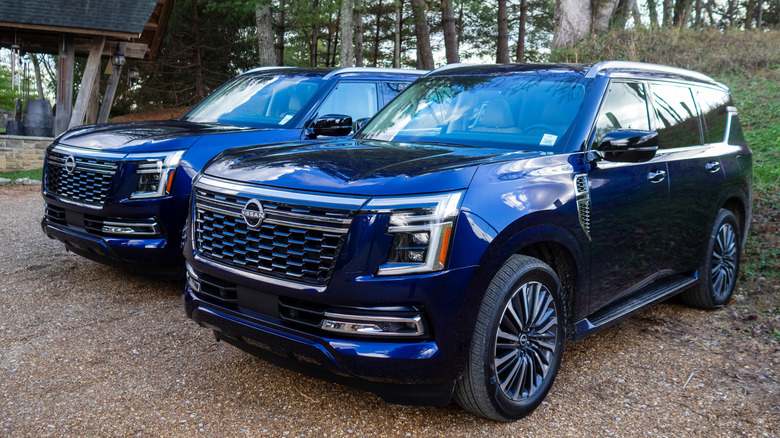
{"x": 256, "y": 101}
{"x": 391, "y": 89}
{"x": 625, "y": 107}
{"x": 676, "y": 119}
{"x": 509, "y": 111}
{"x": 713, "y": 105}
{"x": 355, "y": 99}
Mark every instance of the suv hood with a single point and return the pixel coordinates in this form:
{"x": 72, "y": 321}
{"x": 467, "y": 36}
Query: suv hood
{"x": 145, "y": 136}
{"x": 357, "y": 167}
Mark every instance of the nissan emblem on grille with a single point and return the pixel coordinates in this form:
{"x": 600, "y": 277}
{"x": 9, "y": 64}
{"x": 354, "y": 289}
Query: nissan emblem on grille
{"x": 70, "y": 164}
{"x": 253, "y": 213}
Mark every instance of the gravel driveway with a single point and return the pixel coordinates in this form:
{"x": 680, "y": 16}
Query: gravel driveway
{"x": 90, "y": 350}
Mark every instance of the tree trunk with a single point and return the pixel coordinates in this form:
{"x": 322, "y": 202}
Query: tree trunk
{"x": 731, "y": 13}
{"x": 621, "y": 14}
{"x": 750, "y": 7}
{"x": 635, "y": 15}
{"x": 280, "y": 38}
{"x": 602, "y": 15}
{"x": 38, "y": 81}
{"x": 315, "y": 37}
{"x": 572, "y": 22}
{"x": 265, "y": 35}
{"x": 760, "y": 17}
{"x": 520, "y": 52}
{"x": 358, "y": 20}
{"x": 376, "y": 34}
{"x": 668, "y": 12}
{"x": 651, "y": 6}
{"x": 346, "y": 54}
{"x": 502, "y": 43}
{"x": 399, "y": 12}
{"x": 424, "y": 53}
{"x": 450, "y": 33}
{"x": 200, "y": 92}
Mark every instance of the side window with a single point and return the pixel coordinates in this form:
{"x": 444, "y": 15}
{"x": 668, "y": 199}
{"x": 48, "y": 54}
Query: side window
{"x": 358, "y": 100}
{"x": 676, "y": 118}
{"x": 391, "y": 89}
{"x": 713, "y": 104}
{"x": 625, "y": 107}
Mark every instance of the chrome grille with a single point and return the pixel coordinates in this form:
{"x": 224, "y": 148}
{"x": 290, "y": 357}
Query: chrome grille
{"x": 88, "y": 183}
{"x": 296, "y": 242}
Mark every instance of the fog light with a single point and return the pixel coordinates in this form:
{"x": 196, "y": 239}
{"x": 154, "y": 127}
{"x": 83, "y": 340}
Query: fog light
{"x": 192, "y": 278}
{"x": 373, "y": 325}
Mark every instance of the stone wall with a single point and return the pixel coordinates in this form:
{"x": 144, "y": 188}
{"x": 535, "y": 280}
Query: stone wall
{"x": 5, "y": 117}
{"x": 22, "y": 153}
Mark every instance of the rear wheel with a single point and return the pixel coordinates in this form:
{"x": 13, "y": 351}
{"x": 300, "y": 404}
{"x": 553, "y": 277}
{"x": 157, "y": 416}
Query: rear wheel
{"x": 720, "y": 267}
{"x": 518, "y": 342}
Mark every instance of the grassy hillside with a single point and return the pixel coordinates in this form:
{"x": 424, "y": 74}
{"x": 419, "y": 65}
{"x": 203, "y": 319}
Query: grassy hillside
{"x": 749, "y": 64}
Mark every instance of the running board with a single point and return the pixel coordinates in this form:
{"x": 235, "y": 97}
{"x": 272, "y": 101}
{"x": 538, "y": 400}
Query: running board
{"x": 613, "y": 313}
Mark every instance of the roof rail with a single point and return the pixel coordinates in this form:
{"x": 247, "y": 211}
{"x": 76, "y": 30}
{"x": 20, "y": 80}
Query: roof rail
{"x": 270, "y": 68}
{"x": 345, "y": 70}
{"x": 446, "y": 67}
{"x": 629, "y": 65}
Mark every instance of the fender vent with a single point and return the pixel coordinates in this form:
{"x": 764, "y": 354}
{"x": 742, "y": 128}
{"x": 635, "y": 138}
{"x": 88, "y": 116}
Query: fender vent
{"x": 582, "y": 192}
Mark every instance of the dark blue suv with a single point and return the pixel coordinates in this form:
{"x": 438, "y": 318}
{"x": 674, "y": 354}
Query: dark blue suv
{"x": 484, "y": 217}
{"x": 118, "y": 193}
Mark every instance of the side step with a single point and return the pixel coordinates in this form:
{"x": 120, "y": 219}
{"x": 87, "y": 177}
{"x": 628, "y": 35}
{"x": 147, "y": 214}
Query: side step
{"x": 613, "y": 313}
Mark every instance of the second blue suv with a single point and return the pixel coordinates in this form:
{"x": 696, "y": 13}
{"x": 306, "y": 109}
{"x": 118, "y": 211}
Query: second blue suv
{"x": 118, "y": 193}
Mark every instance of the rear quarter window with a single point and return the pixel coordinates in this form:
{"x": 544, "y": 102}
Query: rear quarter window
{"x": 713, "y": 104}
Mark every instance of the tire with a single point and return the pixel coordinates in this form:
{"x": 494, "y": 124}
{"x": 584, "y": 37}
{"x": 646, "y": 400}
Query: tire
{"x": 507, "y": 380}
{"x": 720, "y": 269}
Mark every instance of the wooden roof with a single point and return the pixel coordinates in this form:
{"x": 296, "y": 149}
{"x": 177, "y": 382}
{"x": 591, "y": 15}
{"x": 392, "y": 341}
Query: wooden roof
{"x": 38, "y": 25}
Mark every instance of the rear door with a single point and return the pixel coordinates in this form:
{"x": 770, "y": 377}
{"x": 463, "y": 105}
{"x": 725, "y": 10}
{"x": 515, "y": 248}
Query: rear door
{"x": 696, "y": 176}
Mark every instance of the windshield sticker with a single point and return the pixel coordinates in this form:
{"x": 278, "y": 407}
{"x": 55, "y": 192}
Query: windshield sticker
{"x": 548, "y": 140}
{"x": 285, "y": 119}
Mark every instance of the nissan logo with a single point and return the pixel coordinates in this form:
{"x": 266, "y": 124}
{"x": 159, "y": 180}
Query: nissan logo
{"x": 70, "y": 164}
{"x": 253, "y": 213}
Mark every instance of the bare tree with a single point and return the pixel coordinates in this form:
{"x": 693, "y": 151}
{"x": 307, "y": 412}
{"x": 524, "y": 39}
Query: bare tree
{"x": 520, "y": 52}
{"x": 574, "y": 20}
{"x": 652, "y": 7}
{"x": 399, "y": 19}
{"x": 358, "y": 19}
{"x": 281, "y": 24}
{"x": 37, "y": 68}
{"x": 347, "y": 54}
{"x": 265, "y": 34}
{"x": 424, "y": 52}
{"x": 502, "y": 52}
{"x": 668, "y": 12}
{"x": 450, "y": 33}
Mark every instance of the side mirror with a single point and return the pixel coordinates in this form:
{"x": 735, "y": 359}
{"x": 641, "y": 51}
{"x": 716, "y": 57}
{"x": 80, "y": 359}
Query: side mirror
{"x": 332, "y": 125}
{"x": 361, "y": 123}
{"x": 628, "y": 146}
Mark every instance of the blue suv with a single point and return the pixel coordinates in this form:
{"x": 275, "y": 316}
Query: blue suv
{"x": 118, "y": 193}
{"x": 483, "y": 218}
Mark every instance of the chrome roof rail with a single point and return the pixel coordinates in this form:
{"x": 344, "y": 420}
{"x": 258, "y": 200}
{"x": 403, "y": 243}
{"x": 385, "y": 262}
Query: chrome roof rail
{"x": 378, "y": 70}
{"x": 270, "y": 68}
{"x": 653, "y": 68}
{"x": 446, "y": 67}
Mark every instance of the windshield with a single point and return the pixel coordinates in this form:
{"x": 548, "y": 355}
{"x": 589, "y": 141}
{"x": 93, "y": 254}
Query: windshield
{"x": 522, "y": 111}
{"x": 257, "y": 101}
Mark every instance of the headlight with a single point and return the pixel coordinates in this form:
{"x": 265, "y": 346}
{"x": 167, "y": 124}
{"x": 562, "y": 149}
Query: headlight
{"x": 155, "y": 173}
{"x": 422, "y": 229}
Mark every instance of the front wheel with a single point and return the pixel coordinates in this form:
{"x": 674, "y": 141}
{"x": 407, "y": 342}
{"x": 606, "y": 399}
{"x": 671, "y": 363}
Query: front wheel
{"x": 518, "y": 342}
{"x": 720, "y": 267}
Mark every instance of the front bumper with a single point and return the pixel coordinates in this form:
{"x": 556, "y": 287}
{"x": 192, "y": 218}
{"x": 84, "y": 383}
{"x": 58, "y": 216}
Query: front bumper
{"x": 403, "y": 370}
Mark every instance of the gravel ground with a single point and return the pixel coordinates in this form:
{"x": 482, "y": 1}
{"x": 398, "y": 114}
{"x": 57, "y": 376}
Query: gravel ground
{"x": 90, "y": 350}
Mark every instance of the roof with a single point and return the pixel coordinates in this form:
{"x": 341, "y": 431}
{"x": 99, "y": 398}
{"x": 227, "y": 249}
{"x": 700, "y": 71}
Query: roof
{"x": 115, "y": 16}
{"x": 37, "y": 26}
{"x": 328, "y": 73}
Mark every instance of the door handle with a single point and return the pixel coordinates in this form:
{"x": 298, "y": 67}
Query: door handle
{"x": 656, "y": 176}
{"x": 713, "y": 166}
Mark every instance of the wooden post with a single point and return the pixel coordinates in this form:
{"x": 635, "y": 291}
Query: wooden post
{"x": 65, "y": 62}
{"x": 87, "y": 81}
{"x": 93, "y": 104}
{"x": 113, "y": 81}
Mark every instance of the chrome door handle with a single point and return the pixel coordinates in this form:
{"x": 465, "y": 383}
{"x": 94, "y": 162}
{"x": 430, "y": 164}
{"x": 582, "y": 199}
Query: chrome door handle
{"x": 656, "y": 176}
{"x": 713, "y": 166}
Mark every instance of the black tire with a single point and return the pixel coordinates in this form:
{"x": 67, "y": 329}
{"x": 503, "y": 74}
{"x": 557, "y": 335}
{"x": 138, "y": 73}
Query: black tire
{"x": 721, "y": 266}
{"x": 496, "y": 383}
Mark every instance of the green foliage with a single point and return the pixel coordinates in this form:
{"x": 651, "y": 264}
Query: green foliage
{"x": 7, "y": 96}
{"x": 36, "y": 174}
